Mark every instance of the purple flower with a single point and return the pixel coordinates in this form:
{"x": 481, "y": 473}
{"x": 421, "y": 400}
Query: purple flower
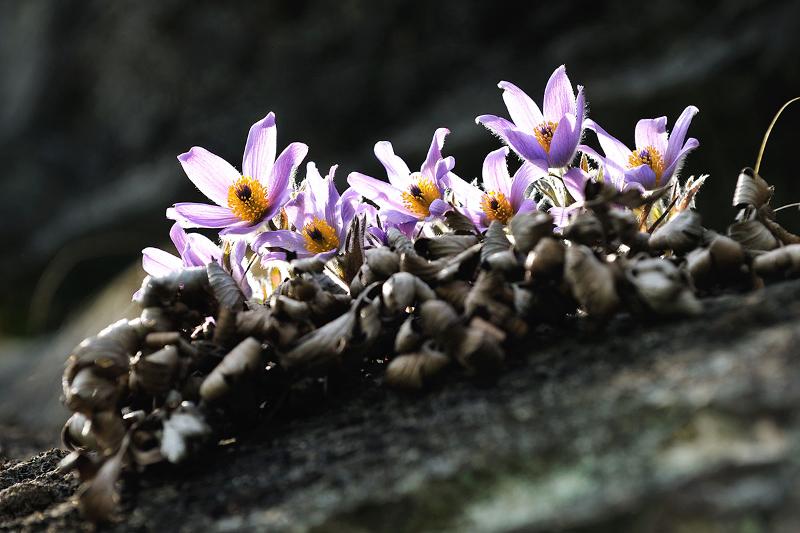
{"x": 658, "y": 156}
{"x": 408, "y": 197}
{"x": 548, "y": 139}
{"x": 502, "y": 196}
{"x": 320, "y": 216}
{"x": 243, "y": 201}
{"x": 195, "y": 250}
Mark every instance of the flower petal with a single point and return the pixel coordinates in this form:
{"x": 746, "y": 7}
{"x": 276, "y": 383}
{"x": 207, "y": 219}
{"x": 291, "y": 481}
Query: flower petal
{"x": 376, "y": 190}
{"x": 443, "y": 166}
{"x": 211, "y": 174}
{"x": 526, "y": 206}
{"x": 643, "y": 175}
{"x": 495, "y": 172}
{"x": 575, "y": 180}
{"x": 434, "y": 152}
{"x": 674, "y": 168}
{"x": 525, "y": 145}
{"x": 494, "y": 123}
{"x": 259, "y": 152}
{"x": 523, "y": 110}
{"x": 193, "y": 215}
{"x": 464, "y": 193}
{"x": 559, "y": 98}
{"x": 679, "y": 134}
{"x": 282, "y": 172}
{"x": 178, "y": 237}
{"x": 288, "y": 240}
{"x": 523, "y": 177}
{"x": 439, "y": 207}
{"x": 241, "y": 228}
{"x": 157, "y": 262}
{"x": 652, "y": 132}
{"x": 396, "y": 169}
{"x": 200, "y": 251}
{"x": 565, "y": 142}
{"x": 613, "y": 148}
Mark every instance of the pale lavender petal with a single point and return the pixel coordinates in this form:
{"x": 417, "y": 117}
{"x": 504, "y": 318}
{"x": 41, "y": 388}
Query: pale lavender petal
{"x": 565, "y": 142}
{"x": 332, "y": 197}
{"x": 434, "y": 152}
{"x": 376, "y": 190}
{"x": 464, "y": 193}
{"x": 679, "y": 134}
{"x": 443, "y": 166}
{"x": 652, "y": 132}
{"x": 349, "y": 205}
{"x": 241, "y": 228}
{"x": 642, "y": 175}
{"x": 397, "y": 218}
{"x": 288, "y": 240}
{"x": 494, "y": 123}
{"x": 178, "y": 237}
{"x": 259, "y": 152}
{"x": 523, "y": 177}
{"x": 285, "y": 166}
{"x": 296, "y": 208}
{"x": 317, "y": 190}
{"x": 238, "y": 269}
{"x": 674, "y": 168}
{"x": 575, "y": 180}
{"x": 613, "y": 148}
{"x": 525, "y": 145}
{"x": 526, "y": 206}
{"x": 523, "y": 110}
{"x": 157, "y": 262}
{"x": 561, "y": 215}
{"x": 396, "y": 169}
{"x": 439, "y": 207}
{"x": 211, "y": 174}
{"x": 200, "y": 251}
{"x": 495, "y": 172}
{"x": 559, "y": 98}
{"x": 192, "y": 215}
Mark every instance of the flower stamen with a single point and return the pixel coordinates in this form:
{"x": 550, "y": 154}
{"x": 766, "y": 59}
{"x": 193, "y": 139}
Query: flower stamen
{"x": 320, "y": 236}
{"x": 497, "y": 207}
{"x": 544, "y": 134}
{"x": 420, "y": 195}
{"x": 248, "y": 200}
{"x": 648, "y": 156}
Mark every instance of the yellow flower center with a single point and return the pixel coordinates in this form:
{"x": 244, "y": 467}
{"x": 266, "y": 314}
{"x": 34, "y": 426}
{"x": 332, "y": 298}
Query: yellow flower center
{"x": 544, "y": 134}
{"x": 247, "y": 198}
{"x": 648, "y": 156}
{"x": 420, "y": 196}
{"x": 320, "y": 236}
{"x": 497, "y": 207}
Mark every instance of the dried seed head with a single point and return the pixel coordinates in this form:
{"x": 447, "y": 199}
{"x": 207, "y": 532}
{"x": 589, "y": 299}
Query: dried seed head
{"x": 495, "y": 240}
{"x": 88, "y": 392}
{"x": 546, "y": 260}
{"x": 154, "y": 373}
{"x": 165, "y": 290}
{"x": 77, "y": 433}
{"x": 585, "y": 229}
{"x": 416, "y": 370}
{"x": 454, "y": 292}
{"x": 681, "y": 234}
{"x": 152, "y": 319}
{"x": 422, "y": 268}
{"x": 322, "y": 348}
{"x": 753, "y": 235}
{"x": 288, "y": 308}
{"x": 439, "y": 321}
{"x": 408, "y": 339}
{"x": 246, "y": 358}
{"x": 661, "y": 288}
{"x": 528, "y": 228}
{"x": 108, "y": 352}
{"x": 382, "y": 261}
{"x": 443, "y": 245}
{"x": 751, "y": 190}
{"x": 399, "y": 292}
{"x": 592, "y": 282}
{"x": 777, "y": 264}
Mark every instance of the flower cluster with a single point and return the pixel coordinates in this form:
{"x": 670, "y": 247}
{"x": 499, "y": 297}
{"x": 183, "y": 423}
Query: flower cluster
{"x": 264, "y": 214}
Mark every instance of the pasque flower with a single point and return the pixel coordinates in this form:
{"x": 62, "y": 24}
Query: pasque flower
{"x": 320, "y": 216}
{"x": 658, "y": 155}
{"x": 502, "y": 196}
{"x": 195, "y": 250}
{"x": 548, "y": 139}
{"x": 408, "y": 197}
{"x": 243, "y": 201}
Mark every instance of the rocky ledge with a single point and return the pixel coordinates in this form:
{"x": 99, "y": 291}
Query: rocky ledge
{"x": 684, "y": 426}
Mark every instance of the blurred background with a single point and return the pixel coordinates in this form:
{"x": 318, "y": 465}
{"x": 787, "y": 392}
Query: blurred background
{"x": 97, "y": 99}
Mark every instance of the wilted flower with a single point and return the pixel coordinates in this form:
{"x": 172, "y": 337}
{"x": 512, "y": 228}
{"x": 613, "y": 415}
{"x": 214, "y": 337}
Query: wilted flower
{"x": 657, "y": 157}
{"x": 502, "y": 196}
{"x": 320, "y": 215}
{"x": 408, "y": 197}
{"x": 195, "y": 250}
{"x": 547, "y": 139}
{"x": 243, "y": 201}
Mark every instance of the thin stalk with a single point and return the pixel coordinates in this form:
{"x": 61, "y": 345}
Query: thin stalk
{"x": 769, "y": 130}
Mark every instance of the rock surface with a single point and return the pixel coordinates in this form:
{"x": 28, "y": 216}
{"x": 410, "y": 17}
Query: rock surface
{"x": 687, "y": 426}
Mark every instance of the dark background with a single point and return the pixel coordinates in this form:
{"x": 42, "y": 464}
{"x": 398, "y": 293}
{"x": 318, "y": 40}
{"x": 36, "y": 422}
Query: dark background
{"x": 97, "y": 98}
